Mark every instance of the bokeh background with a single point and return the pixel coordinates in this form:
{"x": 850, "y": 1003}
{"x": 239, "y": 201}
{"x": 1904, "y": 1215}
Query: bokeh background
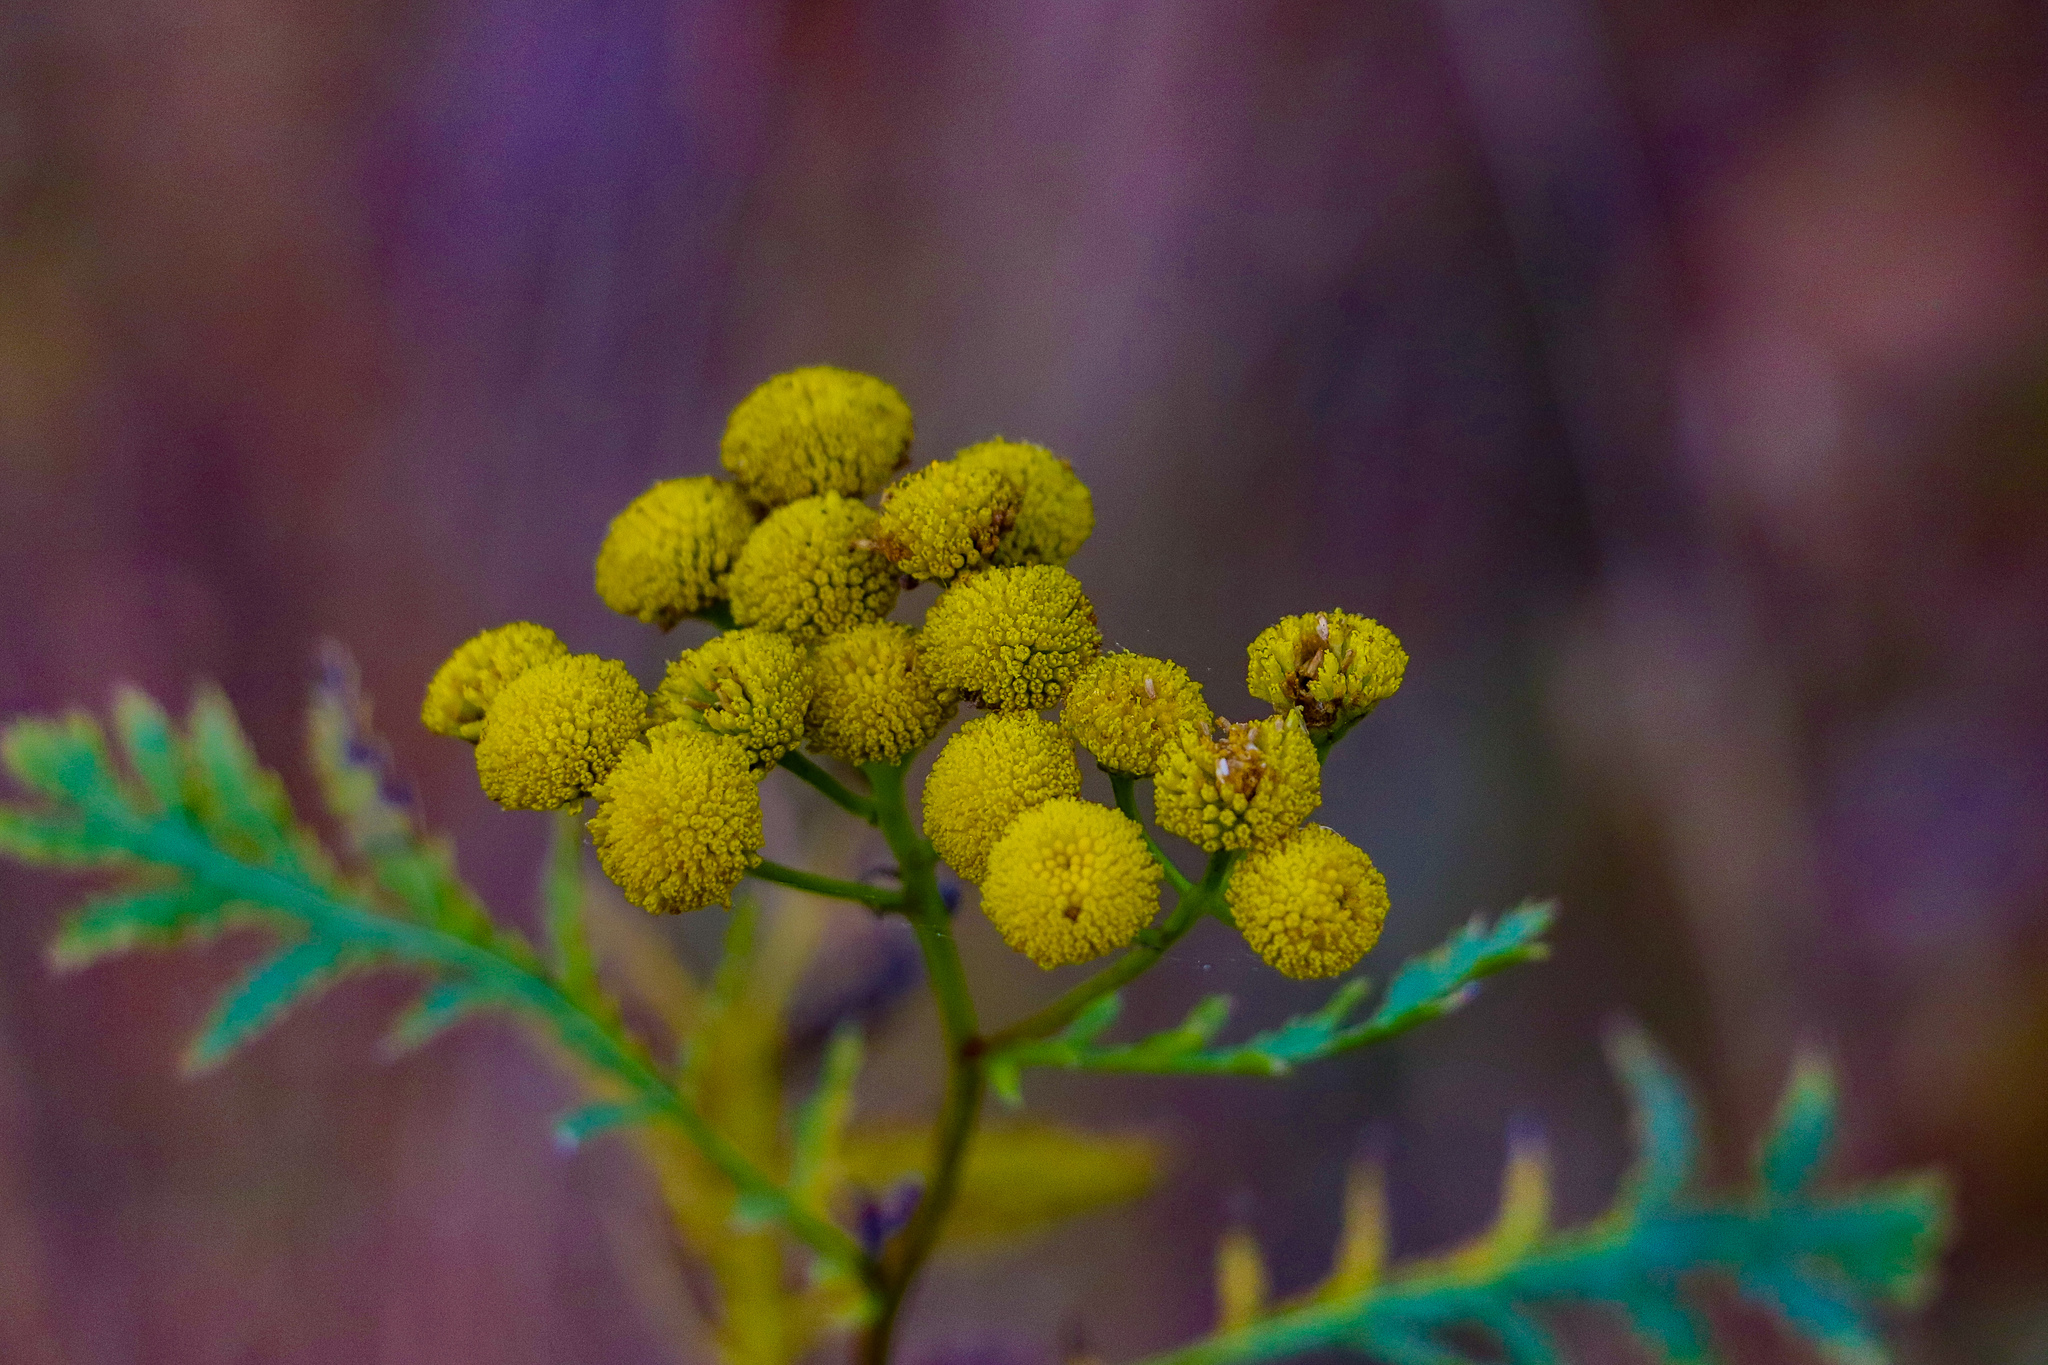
{"x": 1673, "y": 377}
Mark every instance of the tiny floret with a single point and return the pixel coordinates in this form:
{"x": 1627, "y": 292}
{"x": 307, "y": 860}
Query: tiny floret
{"x": 811, "y": 569}
{"x": 1069, "y": 881}
{"x": 990, "y": 772}
{"x": 1311, "y": 905}
{"x": 1126, "y": 708}
{"x": 556, "y": 730}
{"x": 870, "y": 699}
{"x": 751, "y": 685}
{"x": 1333, "y": 665}
{"x": 945, "y": 518}
{"x": 678, "y": 822}
{"x": 1057, "y": 514}
{"x": 1011, "y": 639}
{"x": 817, "y": 430}
{"x": 463, "y": 688}
{"x": 668, "y": 555}
{"x": 1247, "y": 785}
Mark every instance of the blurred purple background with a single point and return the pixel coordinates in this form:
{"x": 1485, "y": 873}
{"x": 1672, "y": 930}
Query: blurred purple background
{"x": 1672, "y": 377}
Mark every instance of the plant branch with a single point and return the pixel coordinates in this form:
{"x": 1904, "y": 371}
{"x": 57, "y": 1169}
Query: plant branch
{"x": 965, "y": 1073}
{"x": 874, "y": 897}
{"x": 1126, "y": 788}
{"x": 835, "y": 791}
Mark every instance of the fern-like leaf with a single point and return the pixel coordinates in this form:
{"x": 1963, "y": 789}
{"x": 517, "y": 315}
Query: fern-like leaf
{"x": 1828, "y": 1263}
{"x": 1426, "y": 988}
{"x": 263, "y": 996}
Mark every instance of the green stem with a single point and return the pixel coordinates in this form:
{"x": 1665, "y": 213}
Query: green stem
{"x": 1126, "y": 788}
{"x": 717, "y": 615}
{"x": 874, "y": 897}
{"x": 965, "y": 1072}
{"x": 837, "y": 792}
{"x": 597, "y": 1042}
{"x": 1151, "y": 945}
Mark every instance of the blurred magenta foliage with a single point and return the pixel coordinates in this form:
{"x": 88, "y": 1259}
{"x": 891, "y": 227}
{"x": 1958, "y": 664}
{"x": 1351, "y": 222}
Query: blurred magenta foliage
{"x": 1672, "y": 377}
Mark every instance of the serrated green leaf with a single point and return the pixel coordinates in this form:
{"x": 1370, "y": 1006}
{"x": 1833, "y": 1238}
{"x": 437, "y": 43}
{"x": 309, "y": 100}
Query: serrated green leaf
{"x": 263, "y": 996}
{"x": 151, "y": 747}
{"x": 1006, "y": 1082}
{"x": 1522, "y": 1340}
{"x": 55, "y": 840}
{"x": 1803, "y": 1129}
{"x": 242, "y": 805}
{"x": 1667, "y": 1135}
{"x": 1441, "y": 980}
{"x": 64, "y": 759}
{"x": 578, "y": 1127}
{"x": 154, "y": 918}
{"x": 440, "y": 1009}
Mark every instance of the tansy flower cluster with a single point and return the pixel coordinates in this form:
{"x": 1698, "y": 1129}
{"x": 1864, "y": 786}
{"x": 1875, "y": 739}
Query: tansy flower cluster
{"x": 799, "y": 558}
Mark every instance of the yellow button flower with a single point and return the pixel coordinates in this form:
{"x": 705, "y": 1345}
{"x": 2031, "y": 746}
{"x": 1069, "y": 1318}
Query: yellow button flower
{"x": 555, "y": 731}
{"x": 1333, "y": 665}
{"x": 1248, "y": 787}
{"x": 991, "y": 771}
{"x": 1057, "y": 514}
{"x": 678, "y": 822}
{"x": 751, "y": 685}
{"x": 669, "y": 553}
{"x": 945, "y": 518}
{"x": 1069, "y": 881}
{"x": 1011, "y": 639}
{"x": 817, "y": 430}
{"x": 1311, "y": 905}
{"x": 463, "y": 688}
{"x": 1126, "y": 708}
{"x": 811, "y": 569}
{"x": 870, "y": 699}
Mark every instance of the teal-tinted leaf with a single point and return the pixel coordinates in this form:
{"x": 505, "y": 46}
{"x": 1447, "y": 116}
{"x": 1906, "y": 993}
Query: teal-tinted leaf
{"x": 1900, "y": 1226}
{"x": 1092, "y": 1022}
{"x": 583, "y": 1124}
{"x": 151, "y": 747}
{"x": 446, "y": 1005}
{"x": 1818, "y": 1313}
{"x": 263, "y": 996}
{"x": 154, "y": 918}
{"x": 1667, "y": 1135}
{"x": 1522, "y": 1340}
{"x": 1803, "y": 1130}
{"x": 1441, "y": 980}
{"x": 1669, "y": 1327}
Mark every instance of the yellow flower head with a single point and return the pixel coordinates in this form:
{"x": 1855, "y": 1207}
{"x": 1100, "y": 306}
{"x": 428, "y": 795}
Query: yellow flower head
{"x": 1126, "y": 708}
{"x": 1069, "y": 881}
{"x": 817, "y": 430}
{"x": 556, "y": 730}
{"x": 669, "y": 553}
{"x": 811, "y": 569}
{"x": 464, "y": 687}
{"x": 1011, "y": 639}
{"x": 990, "y": 772}
{"x": 870, "y": 699}
{"x": 1335, "y": 666}
{"x": 678, "y": 822}
{"x": 1057, "y": 514}
{"x": 1311, "y": 905}
{"x": 945, "y": 518}
{"x": 752, "y": 685}
{"x": 1248, "y": 786}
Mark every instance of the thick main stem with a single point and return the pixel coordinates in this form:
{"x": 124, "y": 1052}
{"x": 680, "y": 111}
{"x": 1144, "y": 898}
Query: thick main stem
{"x": 965, "y": 1079}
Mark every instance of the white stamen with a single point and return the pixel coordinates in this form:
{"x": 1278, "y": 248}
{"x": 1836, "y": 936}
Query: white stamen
{"x": 1151, "y": 692}
{"x": 1323, "y": 629}
{"x": 1222, "y": 770}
